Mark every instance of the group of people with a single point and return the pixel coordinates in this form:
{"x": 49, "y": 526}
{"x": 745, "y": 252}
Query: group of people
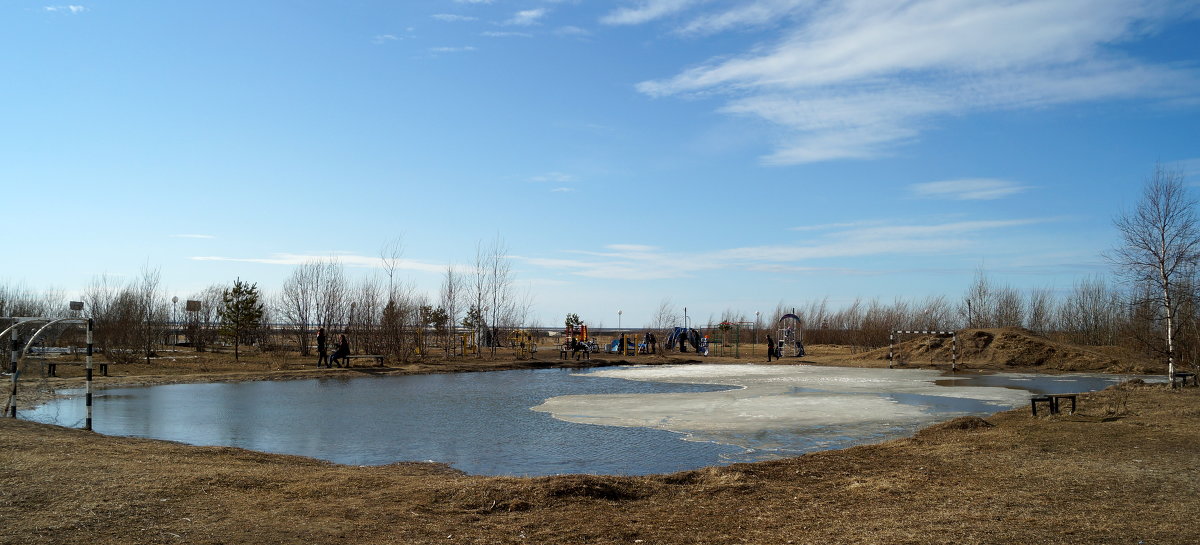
{"x": 339, "y": 356}
{"x": 649, "y": 343}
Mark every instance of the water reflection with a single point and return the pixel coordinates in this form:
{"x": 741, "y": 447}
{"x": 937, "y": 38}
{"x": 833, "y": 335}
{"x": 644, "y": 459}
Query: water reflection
{"x": 481, "y": 423}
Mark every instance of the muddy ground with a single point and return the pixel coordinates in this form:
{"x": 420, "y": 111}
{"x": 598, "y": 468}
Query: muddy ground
{"x": 1124, "y": 469}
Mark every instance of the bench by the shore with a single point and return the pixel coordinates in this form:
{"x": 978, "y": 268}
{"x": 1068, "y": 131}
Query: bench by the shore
{"x": 377, "y": 357}
{"x": 1182, "y": 377}
{"x": 52, "y": 368}
{"x": 1052, "y": 401}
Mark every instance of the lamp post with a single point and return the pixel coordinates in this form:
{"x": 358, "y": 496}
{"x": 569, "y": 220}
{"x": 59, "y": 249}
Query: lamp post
{"x": 619, "y": 312}
{"x": 685, "y": 318}
{"x": 174, "y": 320}
{"x": 757, "y": 319}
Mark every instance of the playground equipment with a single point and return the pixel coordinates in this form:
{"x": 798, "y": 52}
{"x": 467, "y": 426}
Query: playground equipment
{"x": 19, "y": 350}
{"x": 625, "y": 345}
{"x": 731, "y": 331}
{"x": 469, "y": 344}
{"x": 685, "y": 336}
{"x": 791, "y": 336}
{"x": 522, "y": 343}
{"x": 575, "y": 340}
{"x": 953, "y": 345}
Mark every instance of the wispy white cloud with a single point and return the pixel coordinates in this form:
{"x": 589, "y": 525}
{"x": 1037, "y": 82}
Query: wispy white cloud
{"x": 632, "y": 247}
{"x": 192, "y": 236}
{"x": 831, "y": 226}
{"x": 562, "y": 190}
{"x": 967, "y": 189}
{"x": 527, "y": 17}
{"x": 842, "y": 241}
{"x": 750, "y": 14}
{"x": 570, "y": 30}
{"x": 452, "y": 18}
{"x": 66, "y": 9}
{"x": 556, "y": 177}
{"x": 384, "y": 38}
{"x": 647, "y": 10}
{"x": 347, "y": 259}
{"x": 473, "y": 1}
{"x": 497, "y": 34}
{"x": 853, "y": 80}
{"x": 1189, "y": 168}
{"x": 449, "y": 49}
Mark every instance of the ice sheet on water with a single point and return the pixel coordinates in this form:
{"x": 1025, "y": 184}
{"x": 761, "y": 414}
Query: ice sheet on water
{"x": 767, "y": 401}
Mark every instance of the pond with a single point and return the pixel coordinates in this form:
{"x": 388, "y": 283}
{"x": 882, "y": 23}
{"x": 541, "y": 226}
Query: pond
{"x": 629, "y": 420}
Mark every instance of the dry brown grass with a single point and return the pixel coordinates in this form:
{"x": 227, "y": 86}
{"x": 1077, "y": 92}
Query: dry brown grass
{"x": 1087, "y": 478}
{"x": 1125, "y": 469}
{"x": 1012, "y": 348}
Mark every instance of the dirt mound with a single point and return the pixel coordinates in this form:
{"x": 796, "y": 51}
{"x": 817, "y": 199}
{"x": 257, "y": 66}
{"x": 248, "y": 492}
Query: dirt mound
{"x": 1009, "y": 347}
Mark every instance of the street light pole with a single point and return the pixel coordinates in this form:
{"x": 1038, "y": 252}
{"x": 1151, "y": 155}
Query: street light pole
{"x": 619, "y": 312}
{"x": 757, "y": 319}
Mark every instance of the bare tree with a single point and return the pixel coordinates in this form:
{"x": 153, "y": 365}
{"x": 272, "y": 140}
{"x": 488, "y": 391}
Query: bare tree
{"x": 1090, "y": 313}
{"x": 666, "y": 317}
{"x": 19, "y": 300}
{"x": 1039, "y": 311}
{"x": 451, "y": 301}
{"x": 369, "y": 300}
{"x": 201, "y": 324}
{"x": 479, "y": 296}
{"x": 297, "y": 302}
{"x": 152, "y": 306}
{"x": 977, "y": 305}
{"x": 499, "y": 288}
{"x": 935, "y": 314}
{"x": 390, "y": 255}
{"x": 1008, "y": 307}
{"x": 118, "y": 314}
{"x": 1160, "y": 246}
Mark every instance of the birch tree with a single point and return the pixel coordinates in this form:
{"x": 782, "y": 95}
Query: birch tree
{"x": 1160, "y": 245}
{"x": 499, "y": 288}
{"x": 451, "y": 297}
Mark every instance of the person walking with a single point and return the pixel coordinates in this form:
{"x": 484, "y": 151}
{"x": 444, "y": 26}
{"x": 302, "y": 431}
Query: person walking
{"x": 322, "y": 353}
{"x": 343, "y": 350}
{"x": 770, "y": 348}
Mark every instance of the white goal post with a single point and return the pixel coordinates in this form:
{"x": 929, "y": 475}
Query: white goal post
{"x": 953, "y": 345}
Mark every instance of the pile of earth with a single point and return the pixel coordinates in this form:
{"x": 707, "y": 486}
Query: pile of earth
{"x": 1013, "y": 347}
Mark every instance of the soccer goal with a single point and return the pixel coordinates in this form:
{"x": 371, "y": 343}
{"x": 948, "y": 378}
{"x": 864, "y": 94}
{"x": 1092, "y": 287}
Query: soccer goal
{"x": 953, "y": 345}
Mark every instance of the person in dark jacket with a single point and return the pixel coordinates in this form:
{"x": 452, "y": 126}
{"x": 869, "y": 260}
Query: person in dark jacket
{"x": 322, "y": 353}
{"x": 343, "y": 350}
{"x": 770, "y": 348}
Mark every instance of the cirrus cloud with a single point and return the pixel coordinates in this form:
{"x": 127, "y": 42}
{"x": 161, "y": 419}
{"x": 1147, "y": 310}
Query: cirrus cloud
{"x": 857, "y": 79}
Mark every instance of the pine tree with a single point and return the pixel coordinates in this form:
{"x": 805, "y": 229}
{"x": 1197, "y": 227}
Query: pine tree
{"x": 240, "y": 313}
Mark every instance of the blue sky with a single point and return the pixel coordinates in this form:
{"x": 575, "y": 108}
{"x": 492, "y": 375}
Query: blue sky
{"x": 724, "y": 154}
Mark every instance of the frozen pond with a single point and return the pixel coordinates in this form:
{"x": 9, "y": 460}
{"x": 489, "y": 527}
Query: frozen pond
{"x": 630, "y": 420}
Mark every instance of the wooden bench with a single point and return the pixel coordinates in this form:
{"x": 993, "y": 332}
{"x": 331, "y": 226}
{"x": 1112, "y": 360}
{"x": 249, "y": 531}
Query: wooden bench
{"x": 1052, "y": 401}
{"x": 52, "y": 368}
{"x": 377, "y": 357}
{"x": 1182, "y": 377}
{"x": 565, "y": 348}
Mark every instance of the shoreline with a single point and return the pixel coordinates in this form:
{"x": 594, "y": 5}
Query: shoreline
{"x": 138, "y": 381}
{"x": 1091, "y": 477}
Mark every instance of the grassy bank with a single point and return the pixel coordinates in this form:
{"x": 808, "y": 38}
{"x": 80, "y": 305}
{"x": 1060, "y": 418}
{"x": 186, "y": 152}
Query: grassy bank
{"x": 1125, "y": 469}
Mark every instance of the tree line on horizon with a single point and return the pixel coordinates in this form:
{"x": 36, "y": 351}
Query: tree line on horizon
{"x": 1154, "y": 309}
